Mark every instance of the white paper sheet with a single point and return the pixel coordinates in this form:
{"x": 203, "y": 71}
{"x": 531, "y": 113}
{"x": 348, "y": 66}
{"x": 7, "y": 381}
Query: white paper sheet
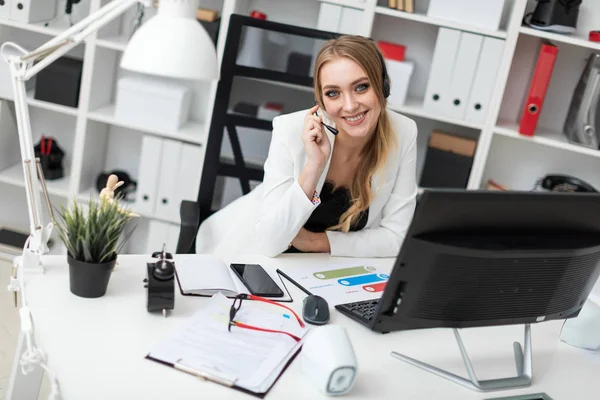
{"x": 251, "y": 358}
{"x": 203, "y": 274}
{"x": 342, "y": 281}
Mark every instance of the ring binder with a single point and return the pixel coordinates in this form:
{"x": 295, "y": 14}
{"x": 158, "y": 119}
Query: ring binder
{"x": 583, "y": 119}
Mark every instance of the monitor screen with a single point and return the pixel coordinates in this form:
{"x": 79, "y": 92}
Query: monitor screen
{"x": 480, "y": 258}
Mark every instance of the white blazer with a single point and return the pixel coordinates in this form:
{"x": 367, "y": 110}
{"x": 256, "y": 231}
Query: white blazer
{"x": 267, "y": 219}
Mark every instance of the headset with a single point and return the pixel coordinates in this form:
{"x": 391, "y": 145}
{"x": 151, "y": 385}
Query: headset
{"x": 385, "y": 86}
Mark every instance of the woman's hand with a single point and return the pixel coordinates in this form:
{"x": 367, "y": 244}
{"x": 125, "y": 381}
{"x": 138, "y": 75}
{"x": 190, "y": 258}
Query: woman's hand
{"x": 316, "y": 142}
{"x": 311, "y": 242}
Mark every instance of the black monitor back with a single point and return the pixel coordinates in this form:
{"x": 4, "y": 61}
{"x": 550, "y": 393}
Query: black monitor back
{"x": 481, "y": 258}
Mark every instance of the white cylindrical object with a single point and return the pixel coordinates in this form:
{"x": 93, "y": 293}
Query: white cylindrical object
{"x": 328, "y": 360}
{"x": 251, "y": 54}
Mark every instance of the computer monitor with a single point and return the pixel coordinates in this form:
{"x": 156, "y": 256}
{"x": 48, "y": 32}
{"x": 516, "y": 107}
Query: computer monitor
{"x": 484, "y": 258}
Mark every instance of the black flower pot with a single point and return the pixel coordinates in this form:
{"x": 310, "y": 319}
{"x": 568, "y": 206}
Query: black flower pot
{"x": 88, "y": 279}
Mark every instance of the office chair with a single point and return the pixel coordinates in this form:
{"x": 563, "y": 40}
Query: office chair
{"x": 189, "y": 211}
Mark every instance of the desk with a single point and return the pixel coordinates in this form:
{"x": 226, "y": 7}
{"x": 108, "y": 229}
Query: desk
{"x": 97, "y": 347}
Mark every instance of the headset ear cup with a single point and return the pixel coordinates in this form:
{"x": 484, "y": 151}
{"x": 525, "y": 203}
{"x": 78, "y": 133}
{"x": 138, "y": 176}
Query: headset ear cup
{"x": 386, "y": 81}
{"x": 386, "y": 87}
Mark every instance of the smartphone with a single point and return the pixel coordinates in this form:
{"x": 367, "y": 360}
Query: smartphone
{"x": 257, "y": 280}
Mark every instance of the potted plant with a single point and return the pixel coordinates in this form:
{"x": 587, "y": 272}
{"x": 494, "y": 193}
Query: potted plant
{"x": 93, "y": 240}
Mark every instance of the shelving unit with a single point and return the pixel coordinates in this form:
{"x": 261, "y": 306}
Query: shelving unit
{"x": 93, "y": 138}
{"x": 97, "y": 141}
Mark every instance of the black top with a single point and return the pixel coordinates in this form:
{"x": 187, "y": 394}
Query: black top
{"x": 334, "y": 203}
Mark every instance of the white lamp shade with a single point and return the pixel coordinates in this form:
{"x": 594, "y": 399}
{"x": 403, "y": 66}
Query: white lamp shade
{"x": 172, "y": 47}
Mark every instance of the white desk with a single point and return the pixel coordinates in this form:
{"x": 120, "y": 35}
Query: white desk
{"x": 97, "y": 347}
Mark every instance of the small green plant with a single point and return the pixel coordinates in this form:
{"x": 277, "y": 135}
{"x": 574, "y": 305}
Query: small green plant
{"x": 96, "y": 236}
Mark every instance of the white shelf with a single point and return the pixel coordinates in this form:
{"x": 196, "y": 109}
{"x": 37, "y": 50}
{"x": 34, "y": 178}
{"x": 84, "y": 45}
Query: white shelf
{"x": 92, "y": 193}
{"x": 46, "y": 105}
{"x": 572, "y": 40}
{"x": 14, "y": 176}
{"x": 192, "y": 132}
{"x": 113, "y": 42}
{"x": 438, "y": 22}
{"x": 545, "y": 138}
{"x": 415, "y": 108}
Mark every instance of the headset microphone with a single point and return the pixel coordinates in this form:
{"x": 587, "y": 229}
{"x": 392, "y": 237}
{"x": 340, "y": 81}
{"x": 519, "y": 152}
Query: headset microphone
{"x": 329, "y": 128}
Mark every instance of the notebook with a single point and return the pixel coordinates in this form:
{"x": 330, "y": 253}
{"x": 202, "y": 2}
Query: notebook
{"x": 205, "y": 275}
{"x": 242, "y": 359}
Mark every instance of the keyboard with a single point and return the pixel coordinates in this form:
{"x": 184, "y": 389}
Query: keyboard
{"x": 360, "y": 311}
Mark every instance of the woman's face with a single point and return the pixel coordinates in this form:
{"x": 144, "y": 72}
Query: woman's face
{"x": 349, "y": 98}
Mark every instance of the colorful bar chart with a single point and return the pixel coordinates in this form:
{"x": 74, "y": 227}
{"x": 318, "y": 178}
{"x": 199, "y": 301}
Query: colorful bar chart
{"x": 343, "y": 272}
{"x": 375, "y": 287}
{"x": 363, "y": 279}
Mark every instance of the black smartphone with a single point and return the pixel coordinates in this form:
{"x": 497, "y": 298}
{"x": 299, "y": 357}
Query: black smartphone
{"x": 257, "y": 280}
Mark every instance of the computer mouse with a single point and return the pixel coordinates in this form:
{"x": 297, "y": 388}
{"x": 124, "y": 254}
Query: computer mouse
{"x": 315, "y": 310}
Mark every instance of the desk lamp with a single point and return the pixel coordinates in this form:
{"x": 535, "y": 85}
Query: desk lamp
{"x": 172, "y": 44}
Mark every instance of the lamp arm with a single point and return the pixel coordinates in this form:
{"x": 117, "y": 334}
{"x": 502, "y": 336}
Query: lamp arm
{"x": 64, "y": 42}
{"x": 22, "y": 68}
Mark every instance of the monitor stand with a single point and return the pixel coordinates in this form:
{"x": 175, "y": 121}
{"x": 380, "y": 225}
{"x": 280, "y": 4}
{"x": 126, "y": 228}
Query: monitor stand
{"x": 522, "y": 360}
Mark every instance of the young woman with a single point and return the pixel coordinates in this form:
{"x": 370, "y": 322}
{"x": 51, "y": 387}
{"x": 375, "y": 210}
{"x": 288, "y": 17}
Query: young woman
{"x": 349, "y": 194}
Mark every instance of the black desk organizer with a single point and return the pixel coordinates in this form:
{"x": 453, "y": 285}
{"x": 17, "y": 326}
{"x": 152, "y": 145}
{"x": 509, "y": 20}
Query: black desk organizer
{"x": 193, "y": 213}
{"x": 51, "y": 158}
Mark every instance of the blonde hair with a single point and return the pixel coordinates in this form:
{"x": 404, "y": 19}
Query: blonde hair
{"x": 365, "y": 53}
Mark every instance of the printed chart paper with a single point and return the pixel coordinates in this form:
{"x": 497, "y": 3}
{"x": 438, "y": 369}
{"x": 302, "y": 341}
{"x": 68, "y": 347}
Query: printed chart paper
{"x": 344, "y": 282}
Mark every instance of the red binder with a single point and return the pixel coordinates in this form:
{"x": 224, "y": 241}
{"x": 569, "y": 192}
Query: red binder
{"x": 538, "y": 88}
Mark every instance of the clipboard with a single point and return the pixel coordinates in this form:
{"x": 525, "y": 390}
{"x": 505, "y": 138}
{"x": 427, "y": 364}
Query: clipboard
{"x": 208, "y": 347}
{"x": 224, "y": 381}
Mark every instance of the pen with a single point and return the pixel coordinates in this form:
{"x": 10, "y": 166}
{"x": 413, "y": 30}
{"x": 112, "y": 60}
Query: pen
{"x": 294, "y": 282}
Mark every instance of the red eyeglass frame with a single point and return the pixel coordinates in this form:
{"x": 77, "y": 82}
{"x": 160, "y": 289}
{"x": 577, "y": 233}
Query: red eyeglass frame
{"x": 243, "y": 296}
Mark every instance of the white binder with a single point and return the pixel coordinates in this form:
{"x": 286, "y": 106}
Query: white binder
{"x": 190, "y": 173}
{"x": 28, "y": 11}
{"x": 167, "y": 206}
{"x": 329, "y": 17}
{"x": 329, "y": 20}
{"x": 147, "y": 185}
{"x": 462, "y": 75}
{"x": 350, "y": 21}
{"x": 442, "y": 66}
{"x": 485, "y": 79}
{"x": 5, "y": 7}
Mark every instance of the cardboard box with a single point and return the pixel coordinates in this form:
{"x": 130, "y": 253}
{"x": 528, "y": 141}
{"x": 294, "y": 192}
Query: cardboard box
{"x": 448, "y": 161}
{"x": 152, "y": 102}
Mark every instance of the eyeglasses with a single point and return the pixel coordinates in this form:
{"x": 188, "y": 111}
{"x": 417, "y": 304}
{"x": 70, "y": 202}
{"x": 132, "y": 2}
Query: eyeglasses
{"x": 237, "y": 304}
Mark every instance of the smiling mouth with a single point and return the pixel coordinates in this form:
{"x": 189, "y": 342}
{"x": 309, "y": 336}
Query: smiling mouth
{"x": 356, "y": 118}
